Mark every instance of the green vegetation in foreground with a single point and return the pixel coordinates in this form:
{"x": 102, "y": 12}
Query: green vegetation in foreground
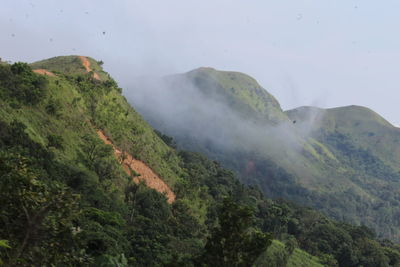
{"x": 67, "y": 202}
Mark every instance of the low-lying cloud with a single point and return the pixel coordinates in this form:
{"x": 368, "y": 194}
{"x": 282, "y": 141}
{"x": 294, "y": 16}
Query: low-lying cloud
{"x": 177, "y": 107}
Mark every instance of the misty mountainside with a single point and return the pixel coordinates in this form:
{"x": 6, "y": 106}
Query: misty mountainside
{"x": 343, "y": 161}
{"x": 366, "y": 129}
{"x": 80, "y": 176}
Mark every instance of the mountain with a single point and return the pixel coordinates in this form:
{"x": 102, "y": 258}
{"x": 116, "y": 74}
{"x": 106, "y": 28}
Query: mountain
{"x": 369, "y": 130}
{"x": 240, "y": 91}
{"x": 342, "y": 161}
{"x": 85, "y": 181}
{"x": 71, "y": 65}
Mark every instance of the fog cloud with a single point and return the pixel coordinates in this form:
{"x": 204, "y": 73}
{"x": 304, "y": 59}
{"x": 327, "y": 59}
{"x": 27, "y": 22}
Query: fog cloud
{"x": 206, "y": 122}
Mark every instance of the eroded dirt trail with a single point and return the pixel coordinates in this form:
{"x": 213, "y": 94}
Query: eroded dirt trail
{"x": 44, "y": 72}
{"x": 147, "y": 175}
{"x": 86, "y": 64}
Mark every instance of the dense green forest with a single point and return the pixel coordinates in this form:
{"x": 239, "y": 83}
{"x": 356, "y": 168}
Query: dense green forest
{"x": 66, "y": 200}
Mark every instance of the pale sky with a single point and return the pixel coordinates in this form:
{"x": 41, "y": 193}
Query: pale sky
{"x": 322, "y": 52}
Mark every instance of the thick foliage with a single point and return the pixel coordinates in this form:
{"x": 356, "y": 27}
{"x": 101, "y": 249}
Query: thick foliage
{"x": 19, "y": 82}
{"x": 233, "y": 243}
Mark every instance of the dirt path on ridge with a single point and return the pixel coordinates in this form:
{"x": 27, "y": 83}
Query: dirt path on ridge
{"x": 86, "y": 64}
{"x": 147, "y": 175}
{"x": 44, "y": 72}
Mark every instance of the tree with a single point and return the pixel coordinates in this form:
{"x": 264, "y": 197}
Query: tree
{"x": 36, "y": 216}
{"x": 291, "y": 244}
{"x": 55, "y": 141}
{"x": 94, "y": 150}
{"x": 53, "y": 107}
{"x": 234, "y": 242}
{"x": 19, "y": 82}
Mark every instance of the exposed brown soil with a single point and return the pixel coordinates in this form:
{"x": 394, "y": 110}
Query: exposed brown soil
{"x": 147, "y": 175}
{"x": 44, "y": 72}
{"x": 86, "y": 64}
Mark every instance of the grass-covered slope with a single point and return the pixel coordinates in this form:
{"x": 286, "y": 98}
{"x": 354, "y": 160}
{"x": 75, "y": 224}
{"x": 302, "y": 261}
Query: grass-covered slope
{"x": 92, "y": 104}
{"x": 277, "y": 255}
{"x": 240, "y": 91}
{"x": 70, "y": 65}
{"x": 366, "y": 128}
{"x": 60, "y": 116}
{"x": 343, "y": 161}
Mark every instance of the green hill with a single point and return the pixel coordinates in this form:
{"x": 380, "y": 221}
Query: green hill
{"x": 342, "y": 161}
{"x": 68, "y": 65}
{"x": 240, "y": 91}
{"x": 69, "y": 198}
{"x": 367, "y": 129}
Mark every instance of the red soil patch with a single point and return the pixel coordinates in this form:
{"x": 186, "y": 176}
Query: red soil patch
{"x": 44, "y": 72}
{"x": 147, "y": 175}
{"x": 86, "y": 64}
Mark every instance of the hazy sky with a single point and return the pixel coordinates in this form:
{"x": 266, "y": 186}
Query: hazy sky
{"x": 322, "y": 52}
